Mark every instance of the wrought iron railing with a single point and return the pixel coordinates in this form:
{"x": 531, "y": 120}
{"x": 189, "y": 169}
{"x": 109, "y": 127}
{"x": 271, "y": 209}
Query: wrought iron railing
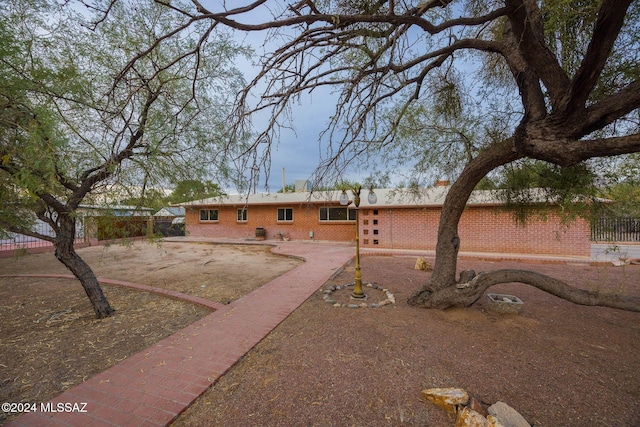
{"x": 615, "y": 229}
{"x": 20, "y": 241}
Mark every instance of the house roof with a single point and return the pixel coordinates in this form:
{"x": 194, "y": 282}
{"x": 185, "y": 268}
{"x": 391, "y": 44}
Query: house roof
{"x": 116, "y": 210}
{"x": 387, "y": 197}
{"x": 170, "y": 211}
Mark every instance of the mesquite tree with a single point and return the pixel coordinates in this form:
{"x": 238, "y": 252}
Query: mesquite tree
{"x": 469, "y": 86}
{"x": 73, "y": 122}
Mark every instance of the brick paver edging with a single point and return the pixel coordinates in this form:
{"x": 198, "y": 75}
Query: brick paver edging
{"x": 214, "y": 305}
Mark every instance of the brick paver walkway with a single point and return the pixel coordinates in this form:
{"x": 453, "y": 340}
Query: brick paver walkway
{"x": 152, "y": 387}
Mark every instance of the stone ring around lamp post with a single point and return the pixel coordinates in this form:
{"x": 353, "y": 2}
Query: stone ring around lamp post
{"x": 329, "y": 297}
{"x": 358, "y": 293}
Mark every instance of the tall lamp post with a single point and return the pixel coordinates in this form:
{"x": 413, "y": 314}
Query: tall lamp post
{"x": 344, "y": 201}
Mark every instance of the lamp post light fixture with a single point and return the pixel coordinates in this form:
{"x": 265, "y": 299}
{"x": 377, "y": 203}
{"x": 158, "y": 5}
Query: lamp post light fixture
{"x": 358, "y": 293}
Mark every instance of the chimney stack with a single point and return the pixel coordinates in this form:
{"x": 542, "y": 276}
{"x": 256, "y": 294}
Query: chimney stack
{"x": 284, "y": 187}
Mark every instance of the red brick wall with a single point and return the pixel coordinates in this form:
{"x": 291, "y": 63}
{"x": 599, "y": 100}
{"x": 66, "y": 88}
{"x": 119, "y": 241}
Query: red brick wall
{"x": 305, "y": 220}
{"x": 481, "y": 229}
{"x": 497, "y": 228}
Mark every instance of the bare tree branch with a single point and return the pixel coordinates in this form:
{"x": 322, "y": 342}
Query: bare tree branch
{"x": 526, "y": 21}
{"x": 611, "y": 17}
{"x": 611, "y": 108}
{"x": 25, "y": 232}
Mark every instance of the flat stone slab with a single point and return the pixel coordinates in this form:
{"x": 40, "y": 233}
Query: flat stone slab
{"x": 505, "y": 304}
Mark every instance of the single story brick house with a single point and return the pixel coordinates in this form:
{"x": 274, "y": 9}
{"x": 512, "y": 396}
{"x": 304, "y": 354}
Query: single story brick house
{"x": 400, "y": 219}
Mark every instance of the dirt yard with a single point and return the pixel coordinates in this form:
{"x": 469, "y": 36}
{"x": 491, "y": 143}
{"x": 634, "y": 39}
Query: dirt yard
{"x": 50, "y": 339}
{"x": 557, "y": 363}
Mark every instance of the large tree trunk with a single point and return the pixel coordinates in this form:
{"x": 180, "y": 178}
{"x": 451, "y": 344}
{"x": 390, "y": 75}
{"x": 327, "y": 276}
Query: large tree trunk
{"x": 67, "y": 255}
{"x": 444, "y": 291}
{"x": 444, "y": 270}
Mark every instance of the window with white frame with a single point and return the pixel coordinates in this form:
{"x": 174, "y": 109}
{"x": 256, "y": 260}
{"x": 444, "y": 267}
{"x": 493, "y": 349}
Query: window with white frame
{"x": 208, "y": 214}
{"x": 337, "y": 214}
{"x": 285, "y": 214}
{"x": 242, "y": 215}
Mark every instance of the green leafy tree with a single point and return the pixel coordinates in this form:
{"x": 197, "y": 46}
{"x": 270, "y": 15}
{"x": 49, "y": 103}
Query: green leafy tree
{"x": 528, "y": 183}
{"x": 462, "y": 87}
{"x": 289, "y": 188}
{"x": 192, "y": 189}
{"x": 151, "y": 198}
{"x": 626, "y": 200}
{"x": 75, "y": 119}
{"x": 486, "y": 183}
{"x": 622, "y": 186}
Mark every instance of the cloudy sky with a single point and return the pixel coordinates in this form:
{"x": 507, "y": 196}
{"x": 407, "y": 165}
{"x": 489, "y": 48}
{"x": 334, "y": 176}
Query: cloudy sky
{"x": 296, "y": 150}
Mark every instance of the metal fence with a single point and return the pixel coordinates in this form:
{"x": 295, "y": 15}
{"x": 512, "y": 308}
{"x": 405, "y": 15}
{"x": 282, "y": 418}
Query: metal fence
{"x": 621, "y": 229}
{"x": 20, "y": 241}
{"x": 103, "y": 228}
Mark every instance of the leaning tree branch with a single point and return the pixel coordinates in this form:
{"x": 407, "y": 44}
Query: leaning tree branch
{"x": 568, "y": 152}
{"x": 25, "y": 232}
{"x": 555, "y": 287}
{"x": 468, "y": 293}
